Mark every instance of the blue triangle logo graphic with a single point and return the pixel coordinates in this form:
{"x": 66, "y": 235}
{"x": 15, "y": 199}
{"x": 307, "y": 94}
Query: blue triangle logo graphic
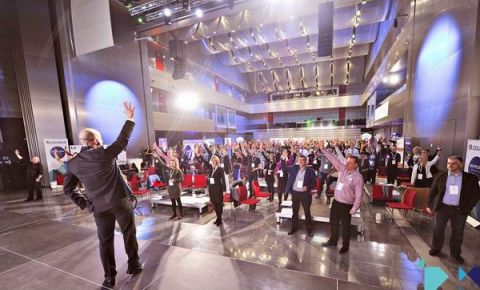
{"x": 461, "y": 274}
{"x": 420, "y": 264}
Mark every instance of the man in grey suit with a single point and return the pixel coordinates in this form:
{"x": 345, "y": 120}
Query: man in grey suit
{"x": 106, "y": 194}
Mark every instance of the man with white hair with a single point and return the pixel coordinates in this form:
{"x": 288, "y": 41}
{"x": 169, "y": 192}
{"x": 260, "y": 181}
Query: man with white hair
{"x": 34, "y": 176}
{"x": 106, "y": 194}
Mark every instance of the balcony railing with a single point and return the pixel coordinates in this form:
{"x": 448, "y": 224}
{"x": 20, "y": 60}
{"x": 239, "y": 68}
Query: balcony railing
{"x": 309, "y": 124}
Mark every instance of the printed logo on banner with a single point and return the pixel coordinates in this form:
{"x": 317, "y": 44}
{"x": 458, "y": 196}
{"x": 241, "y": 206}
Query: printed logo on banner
{"x": 474, "y": 166}
{"x": 57, "y": 152}
{"x": 434, "y": 277}
{"x": 473, "y": 147}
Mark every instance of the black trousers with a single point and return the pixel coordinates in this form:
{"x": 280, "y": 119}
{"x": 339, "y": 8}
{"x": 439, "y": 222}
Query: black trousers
{"x": 391, "y": 176}
{"x": 251, "y": 178}
{"x": 217, "y": 201}
{"x": 282, "y": 184}
{"x": 175, "y": 202}
{"x": 371, "y": 175}
{"x": 305, "y": 198}
{"x": 270, "y": 186}
{"x": 457, "y": 223}
{"x": 34, "y": 186}
{"x": 123, "y": 214}
{"x": 340, "y": 214}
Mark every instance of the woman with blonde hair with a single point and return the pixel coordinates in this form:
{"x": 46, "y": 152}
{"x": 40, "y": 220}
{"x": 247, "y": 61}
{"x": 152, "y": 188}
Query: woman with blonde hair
{"x": 216, "y": 186}
{"x": 421, "y": 172}
{"x": 174, "y": 179}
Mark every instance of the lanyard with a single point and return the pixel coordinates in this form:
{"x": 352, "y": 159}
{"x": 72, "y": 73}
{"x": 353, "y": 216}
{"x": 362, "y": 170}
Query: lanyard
{"x": 213, "y": 172}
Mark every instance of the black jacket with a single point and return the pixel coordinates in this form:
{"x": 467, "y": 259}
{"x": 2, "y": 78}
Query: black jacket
{"x": 308, "y": 181}
{"x": 219, "y": 186}
{"x": 469, "y": 195}
{"x": 98, "y": 171}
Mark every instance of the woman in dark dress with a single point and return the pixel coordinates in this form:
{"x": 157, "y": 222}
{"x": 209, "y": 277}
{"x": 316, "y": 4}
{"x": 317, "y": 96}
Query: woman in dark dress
{"x": 174, "y": 179}
{"x": 216, "y": 186}
{"x": 270, "y": 166}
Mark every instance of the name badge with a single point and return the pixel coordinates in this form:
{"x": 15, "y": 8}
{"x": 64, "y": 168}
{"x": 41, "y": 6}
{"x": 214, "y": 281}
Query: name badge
{"x": 222, "y": 165}
{"x": 325, "y": 166}
{"x": 420, "y": 176}
{"x": 339, "y": 186}
{"x": 299, "y": 184}
{"x": 454, "y": 190}
{"x": 315, "y": 161}
{"x": 212, "y": 180}
{"x": 281, "y": 174}
{"x": 394, "y": 161}
{"x": 372, "y": 163}
{"x": 253, "y": 165}
{"x": 269, "y": 172}
{"x": 170, "y": 183}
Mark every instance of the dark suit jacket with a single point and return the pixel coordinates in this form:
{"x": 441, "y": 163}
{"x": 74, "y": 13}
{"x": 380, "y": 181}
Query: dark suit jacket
{"x": 217, "y": 189}
{"x": 308, "y": 181}
{"x": 469, "y": 195}
{"x": 98, "y": 171}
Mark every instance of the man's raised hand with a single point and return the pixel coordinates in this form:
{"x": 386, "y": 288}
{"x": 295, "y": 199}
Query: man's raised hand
{"x": 129, "y": 110}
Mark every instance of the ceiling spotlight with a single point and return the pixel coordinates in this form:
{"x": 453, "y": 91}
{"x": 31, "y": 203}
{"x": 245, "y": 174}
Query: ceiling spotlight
{"x": 199, "y": 13}
{"x": 167, "y": 12}
{"x": 141, "y": 19}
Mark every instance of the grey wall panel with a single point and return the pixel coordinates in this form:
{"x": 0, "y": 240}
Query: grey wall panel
{"x": 123, "y": 66}
{"x": 442, "y": 113}
{"x": 36, "y": 74}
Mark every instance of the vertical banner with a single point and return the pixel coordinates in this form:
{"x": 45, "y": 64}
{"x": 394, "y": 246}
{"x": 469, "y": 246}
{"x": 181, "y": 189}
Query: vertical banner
{"x": 472, "y": 165}
{"x": 55, "y": 150}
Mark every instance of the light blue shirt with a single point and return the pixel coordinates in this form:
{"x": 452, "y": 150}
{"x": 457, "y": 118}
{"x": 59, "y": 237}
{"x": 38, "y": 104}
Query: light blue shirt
{"x": 453, "y": 180}
{"x": 300, "y": 177}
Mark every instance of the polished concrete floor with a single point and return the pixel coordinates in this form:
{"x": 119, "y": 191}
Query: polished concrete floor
{"x": 51, "y": 244}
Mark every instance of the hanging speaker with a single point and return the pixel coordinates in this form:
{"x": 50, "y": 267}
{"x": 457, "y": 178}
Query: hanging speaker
{"x": 177, "y": 52}
{"x": 325, "y": 29}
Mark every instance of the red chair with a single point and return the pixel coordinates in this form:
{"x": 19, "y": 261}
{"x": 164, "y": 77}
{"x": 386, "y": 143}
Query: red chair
{"x": 137, "y": 191}
{"x": 316, "y": 189}
{"x": 187, "y": 181}
{"x": 258, "y": 193}
{"x": 243, "y": 197}
{"x": 159, "y": 185}
{"x": 227, "y": 197}
{"x": 59, "y": 178}
{"x": 406, "y": 204}
{"x": 200, "y": 181}
{"x": 151, "y": 170}
{"x": 377, "y": 193}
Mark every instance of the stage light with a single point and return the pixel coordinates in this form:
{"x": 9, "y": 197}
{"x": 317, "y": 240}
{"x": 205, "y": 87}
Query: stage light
{"x": 395, "y": 79}
{"x": 167, "y": 12}
{"x": 141, "y": 19}
{"x": 199, "y": 13}
{"x": 187, "y": 101}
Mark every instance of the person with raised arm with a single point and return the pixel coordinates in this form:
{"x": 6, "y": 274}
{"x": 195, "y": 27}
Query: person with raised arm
{"x": 106, "y": 194}
{"x": 346, "y": 200}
